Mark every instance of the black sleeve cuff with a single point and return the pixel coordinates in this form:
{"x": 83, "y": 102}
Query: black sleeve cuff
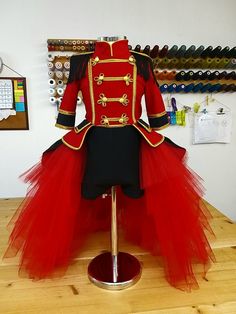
{"x": 65, "y": 121}
{"x": 158, "y": 122}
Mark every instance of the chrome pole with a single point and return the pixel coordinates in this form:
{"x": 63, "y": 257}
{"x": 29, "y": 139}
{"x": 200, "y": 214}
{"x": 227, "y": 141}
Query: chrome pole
{"x": 114, "y": 235}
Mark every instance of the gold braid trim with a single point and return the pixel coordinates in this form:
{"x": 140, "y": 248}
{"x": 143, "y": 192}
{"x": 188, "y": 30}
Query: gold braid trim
{"x": 70, "y": 113}
{"x": 157, "y": 115}
{"x": 153, "y": 145}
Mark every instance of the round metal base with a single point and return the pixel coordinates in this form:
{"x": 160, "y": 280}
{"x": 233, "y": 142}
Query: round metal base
{"x": 100, "y": 271}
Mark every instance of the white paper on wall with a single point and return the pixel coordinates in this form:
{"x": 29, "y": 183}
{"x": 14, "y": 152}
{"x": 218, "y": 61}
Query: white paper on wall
{"x": 212, "y": 127}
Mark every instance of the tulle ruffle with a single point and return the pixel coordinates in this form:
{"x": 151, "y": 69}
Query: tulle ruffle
{"x": 53, "y": 222}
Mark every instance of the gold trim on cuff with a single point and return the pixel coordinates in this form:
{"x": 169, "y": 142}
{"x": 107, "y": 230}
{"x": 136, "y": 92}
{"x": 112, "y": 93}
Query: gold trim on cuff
{"x": 70, "y": 113}
{"x": 157, "y": 115}
{"x": 162, "y": 127}
{"x": 141, "y": 53}
{"x": 63, "y": 126}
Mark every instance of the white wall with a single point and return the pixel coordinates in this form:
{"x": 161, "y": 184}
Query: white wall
{"x": 25, "y": 26}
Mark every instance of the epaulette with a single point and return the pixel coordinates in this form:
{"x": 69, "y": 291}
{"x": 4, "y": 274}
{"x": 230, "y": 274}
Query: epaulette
{"x": 78, "y": 65}
{"x": 140, "y": 53}
{"x": 144, "y": 64}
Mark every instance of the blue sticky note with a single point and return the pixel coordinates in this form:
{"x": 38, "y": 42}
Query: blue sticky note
{"x": 20, "y": 106}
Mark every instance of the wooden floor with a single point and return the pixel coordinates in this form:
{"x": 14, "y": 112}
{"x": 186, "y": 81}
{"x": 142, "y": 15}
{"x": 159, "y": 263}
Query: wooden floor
{"x": 74, "y": 294}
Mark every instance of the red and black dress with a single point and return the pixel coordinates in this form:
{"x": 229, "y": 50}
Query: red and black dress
{"x": 159, "y": 197}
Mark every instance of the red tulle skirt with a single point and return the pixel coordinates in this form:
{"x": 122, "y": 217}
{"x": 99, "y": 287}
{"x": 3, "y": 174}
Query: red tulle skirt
{"x": 170, "y": 220}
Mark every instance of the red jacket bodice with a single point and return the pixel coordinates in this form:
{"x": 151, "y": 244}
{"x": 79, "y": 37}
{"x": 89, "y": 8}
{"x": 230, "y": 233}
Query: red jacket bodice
{"x": 113, "y": 81}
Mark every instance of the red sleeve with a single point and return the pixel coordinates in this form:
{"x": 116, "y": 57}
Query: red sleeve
{"x": 66, "y": 111}
{"x": 156, "y": 112}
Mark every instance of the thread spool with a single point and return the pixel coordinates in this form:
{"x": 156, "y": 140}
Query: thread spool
{"x": 79, "y": 100}
{"x": 231, "y": 53}
{"x": 231, "y": 64}
{"x": 223, "y": 63}
{"x": 163, "y": 63}
{"x": 197, "y": 75}
{"x": 60, "y": 83}
{"x": 214, "y": 75}
{"x": 181, "y": 51}
{"x": 59, "y": 100}
{"x": 197, "y": 53}
{"x": 154, "y": 51}
{"x": 205, "y": 88}
{"x": 146, "y": 50}
{"x": 173, "y": 63}
{"x": 182, "y": 63}
{"x": 50, "y": 57}
{"x": 223, "y": 52}
{"x": 58, "y": 65}
{"x": 222, "y": 75}
{"x": 206, "y": 75}
{"x": 180, "y": 76}
{"x": 162, "y": 75}
{"x": 172, "y": 51}
{"x": 214, "y": 88}
{"x": 67, "y": 74}
{"x": 188, "y": 88}
{"x": 52, "y": 91}
{"x": 171, "y": 88}
{"x": 51, "y": 65}
{"x": 52, "y": 83}
{"x": 163, "y": 51}
{"x": 59, "y": 74}
{"x": 51, "y": 74}
{"x": 163, "y": 88}
{"x": 206, "y": 52}
{"x": 60, "y": 91}
{"x": 53, "y": 100}
{"x": 67, "y": 65}
{"x": 137, "y": 48}
{"x": 171, "y": 75}
{"x": 180, "y": 88}
{"x": 197, "y": 87}
{"x": 189, "y": 52}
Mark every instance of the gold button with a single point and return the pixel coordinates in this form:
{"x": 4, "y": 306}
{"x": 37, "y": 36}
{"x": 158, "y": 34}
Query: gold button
{"x": 131, "y": 59}
{"x": 96, "y": 59}
{"x": 104, "y": 99}
{"x": 121, "y": 120}
{"x": 106, "y": 121}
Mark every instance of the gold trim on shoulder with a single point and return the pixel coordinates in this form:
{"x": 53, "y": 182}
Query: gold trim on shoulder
{"x": 157, "y": 115}
{"x": 63, "y": 126}
{"x": 141, "y": 53}
{"x": 81, "y": 143}
{"x": 70, "y": 113}
{"x": 85, "y": 53}
{"x": 162, "y": 127}
{"x": 153, "y": 145}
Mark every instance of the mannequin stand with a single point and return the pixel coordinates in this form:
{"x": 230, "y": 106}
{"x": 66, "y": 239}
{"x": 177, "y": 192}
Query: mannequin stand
{"x": 114, "y": 270}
